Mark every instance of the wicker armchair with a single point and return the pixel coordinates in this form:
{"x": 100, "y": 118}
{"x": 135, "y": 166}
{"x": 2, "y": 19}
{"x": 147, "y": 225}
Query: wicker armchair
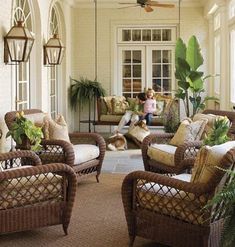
{"x": 169, "y": 210}
{"x": 178, "y": 154}
{"x": 34, "y": 195}
{"x": 60, "y": 151}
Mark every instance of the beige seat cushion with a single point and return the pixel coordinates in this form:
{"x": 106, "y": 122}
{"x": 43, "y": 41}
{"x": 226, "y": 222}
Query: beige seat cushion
{"x": 57, "y": 129}
{"x": 207, "y": 160}
{"x": 170, "y": 201}
{"x": 163, "y": 153}
{"x": 23, "y": 191}
{"x": 188, "y": 131}
{"x": 85, "y": 152}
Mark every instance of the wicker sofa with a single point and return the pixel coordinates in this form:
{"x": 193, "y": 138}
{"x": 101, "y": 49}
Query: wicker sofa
{"x": 105, "y": 115}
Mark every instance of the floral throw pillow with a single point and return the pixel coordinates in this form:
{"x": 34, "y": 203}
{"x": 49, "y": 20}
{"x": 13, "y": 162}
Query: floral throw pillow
{"x": 188, "y": 131}
{"x": 119, "y": 106}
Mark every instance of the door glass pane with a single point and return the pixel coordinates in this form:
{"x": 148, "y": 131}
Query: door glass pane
{"x": 157, "y": 85}
{"x": 126, "y": 55}
{"x": 166, "y": 85}
{"x": 156, "y": 56}
{"x": 136, "y": 35}
{"x": 156, "y": 71}
{"x": 136, "y": 57}
{"x": 23, "y": 91}
{"x": 136, "y": 70}
{"x": 126, "y": 85}
{"x": 126, "y": 70}
{"x": 137, "y": 85}
{"x": 166, "y": 70}
{"x": 146, "y": 35}
{"x": 156, "y": 35}
{"x": 166, "y": 56}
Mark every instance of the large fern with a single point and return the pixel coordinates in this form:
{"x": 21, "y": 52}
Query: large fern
{"x": 226, "y": 199}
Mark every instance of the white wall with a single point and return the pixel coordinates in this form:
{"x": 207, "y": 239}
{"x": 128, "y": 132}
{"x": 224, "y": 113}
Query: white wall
{"x": 39, "y": 75}
{"x": 192, "y": 23}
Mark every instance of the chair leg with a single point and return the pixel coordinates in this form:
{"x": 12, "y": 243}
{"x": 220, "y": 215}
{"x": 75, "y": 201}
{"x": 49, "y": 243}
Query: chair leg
{"x": 65, "y": 228}
{"x": 97, "y": 178}
{"x": 131, "y": 242}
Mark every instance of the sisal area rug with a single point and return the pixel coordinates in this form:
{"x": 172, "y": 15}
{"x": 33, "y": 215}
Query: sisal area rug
{"x": 97, "y": 220}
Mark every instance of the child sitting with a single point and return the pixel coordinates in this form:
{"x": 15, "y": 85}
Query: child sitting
{"x": 149, "y": 106}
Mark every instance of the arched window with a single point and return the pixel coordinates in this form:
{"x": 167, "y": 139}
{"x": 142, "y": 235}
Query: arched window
{"x": 21, "y": 11}
{"x": 53, "y": 73}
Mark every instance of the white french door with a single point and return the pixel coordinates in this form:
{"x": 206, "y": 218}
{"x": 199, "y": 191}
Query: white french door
{"x": 145, "y": 66}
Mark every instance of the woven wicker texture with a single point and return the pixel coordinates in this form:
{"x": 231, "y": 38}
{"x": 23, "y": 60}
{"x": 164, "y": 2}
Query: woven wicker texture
{"x": 36, "y": 196}
{"x": 170, "y": 211}
{"x": 183, "y": 152}
{"x": 59, "y": 151}
{"x": 97, "y": 221}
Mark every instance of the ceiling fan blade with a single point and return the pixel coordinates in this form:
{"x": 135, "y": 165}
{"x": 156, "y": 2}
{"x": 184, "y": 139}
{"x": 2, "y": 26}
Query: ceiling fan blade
{"x": 164, "y": 5}
{"x": 148, "y": 8}
{"x": 129, "y": 6}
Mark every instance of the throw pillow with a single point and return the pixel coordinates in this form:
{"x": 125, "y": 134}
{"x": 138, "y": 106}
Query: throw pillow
{"x": 38, "y": 120}
{"x": 206, "y": 161}
{"x": 211, "y": 120}
{"x": 188, "y": 131}
{"x": 119, "y": 107}
{"x": 58, "y": 129}
{"x": 159, "y": 107}
{"x": 108, "y": 103}
{"x": 139, "y": 130}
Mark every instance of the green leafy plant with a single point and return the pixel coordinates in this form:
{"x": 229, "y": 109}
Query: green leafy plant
{"x": 83, "y": 92}
{"x": 224, "y": 205}
{"x": 24, "y": 132}
{"x": 218, "y": 134}
{"x": 188, "y": 60}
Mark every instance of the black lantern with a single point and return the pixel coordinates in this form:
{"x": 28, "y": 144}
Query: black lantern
{"x": 18, "y": 44}
{"x": 53, "y": 51}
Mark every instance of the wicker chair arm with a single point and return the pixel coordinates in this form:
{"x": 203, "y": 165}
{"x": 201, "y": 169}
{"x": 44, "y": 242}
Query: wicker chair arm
{"x": 21, "y": 154}
{"x": 187, "y": 150}
{"x": 49, "y": 147}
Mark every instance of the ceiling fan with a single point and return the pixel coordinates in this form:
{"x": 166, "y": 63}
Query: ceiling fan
{"x": 148, "y": 4}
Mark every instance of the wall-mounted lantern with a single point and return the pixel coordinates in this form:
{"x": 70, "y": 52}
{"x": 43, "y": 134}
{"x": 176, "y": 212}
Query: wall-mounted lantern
{"x": 18, "y": 44}
{"x": 53, "y": 51}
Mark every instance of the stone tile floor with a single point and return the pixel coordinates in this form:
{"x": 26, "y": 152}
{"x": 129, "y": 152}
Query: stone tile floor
{"x": 123, "y": 161}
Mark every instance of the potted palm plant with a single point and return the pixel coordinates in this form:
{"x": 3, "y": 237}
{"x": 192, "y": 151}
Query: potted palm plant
{"x": 25, "y": 133}
{"x": 191, "y": 80}
{"x": 83, "y": 92}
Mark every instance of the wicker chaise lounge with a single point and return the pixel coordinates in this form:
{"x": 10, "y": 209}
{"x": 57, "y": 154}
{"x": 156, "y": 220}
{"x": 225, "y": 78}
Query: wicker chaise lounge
{"x": 34, "y": 195}
{"x": 90, "y": 145}
{"x": 169, "y": 210}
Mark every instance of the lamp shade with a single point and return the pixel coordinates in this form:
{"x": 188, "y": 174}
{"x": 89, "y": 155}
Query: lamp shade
{"x": 53, "y": 51}
{"x": 18, "y": 44}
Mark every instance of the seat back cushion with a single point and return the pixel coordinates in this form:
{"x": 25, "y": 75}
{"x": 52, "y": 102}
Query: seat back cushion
{"x": 57, "y": 129}
{"x": 188, "y": 131}
{"x": 207, "y": 159}
{"x": 211, "y": 120}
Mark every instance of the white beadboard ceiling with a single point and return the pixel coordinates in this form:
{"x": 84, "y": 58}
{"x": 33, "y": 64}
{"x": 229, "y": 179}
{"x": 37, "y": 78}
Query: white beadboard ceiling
{"x": 114, "y": 3}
